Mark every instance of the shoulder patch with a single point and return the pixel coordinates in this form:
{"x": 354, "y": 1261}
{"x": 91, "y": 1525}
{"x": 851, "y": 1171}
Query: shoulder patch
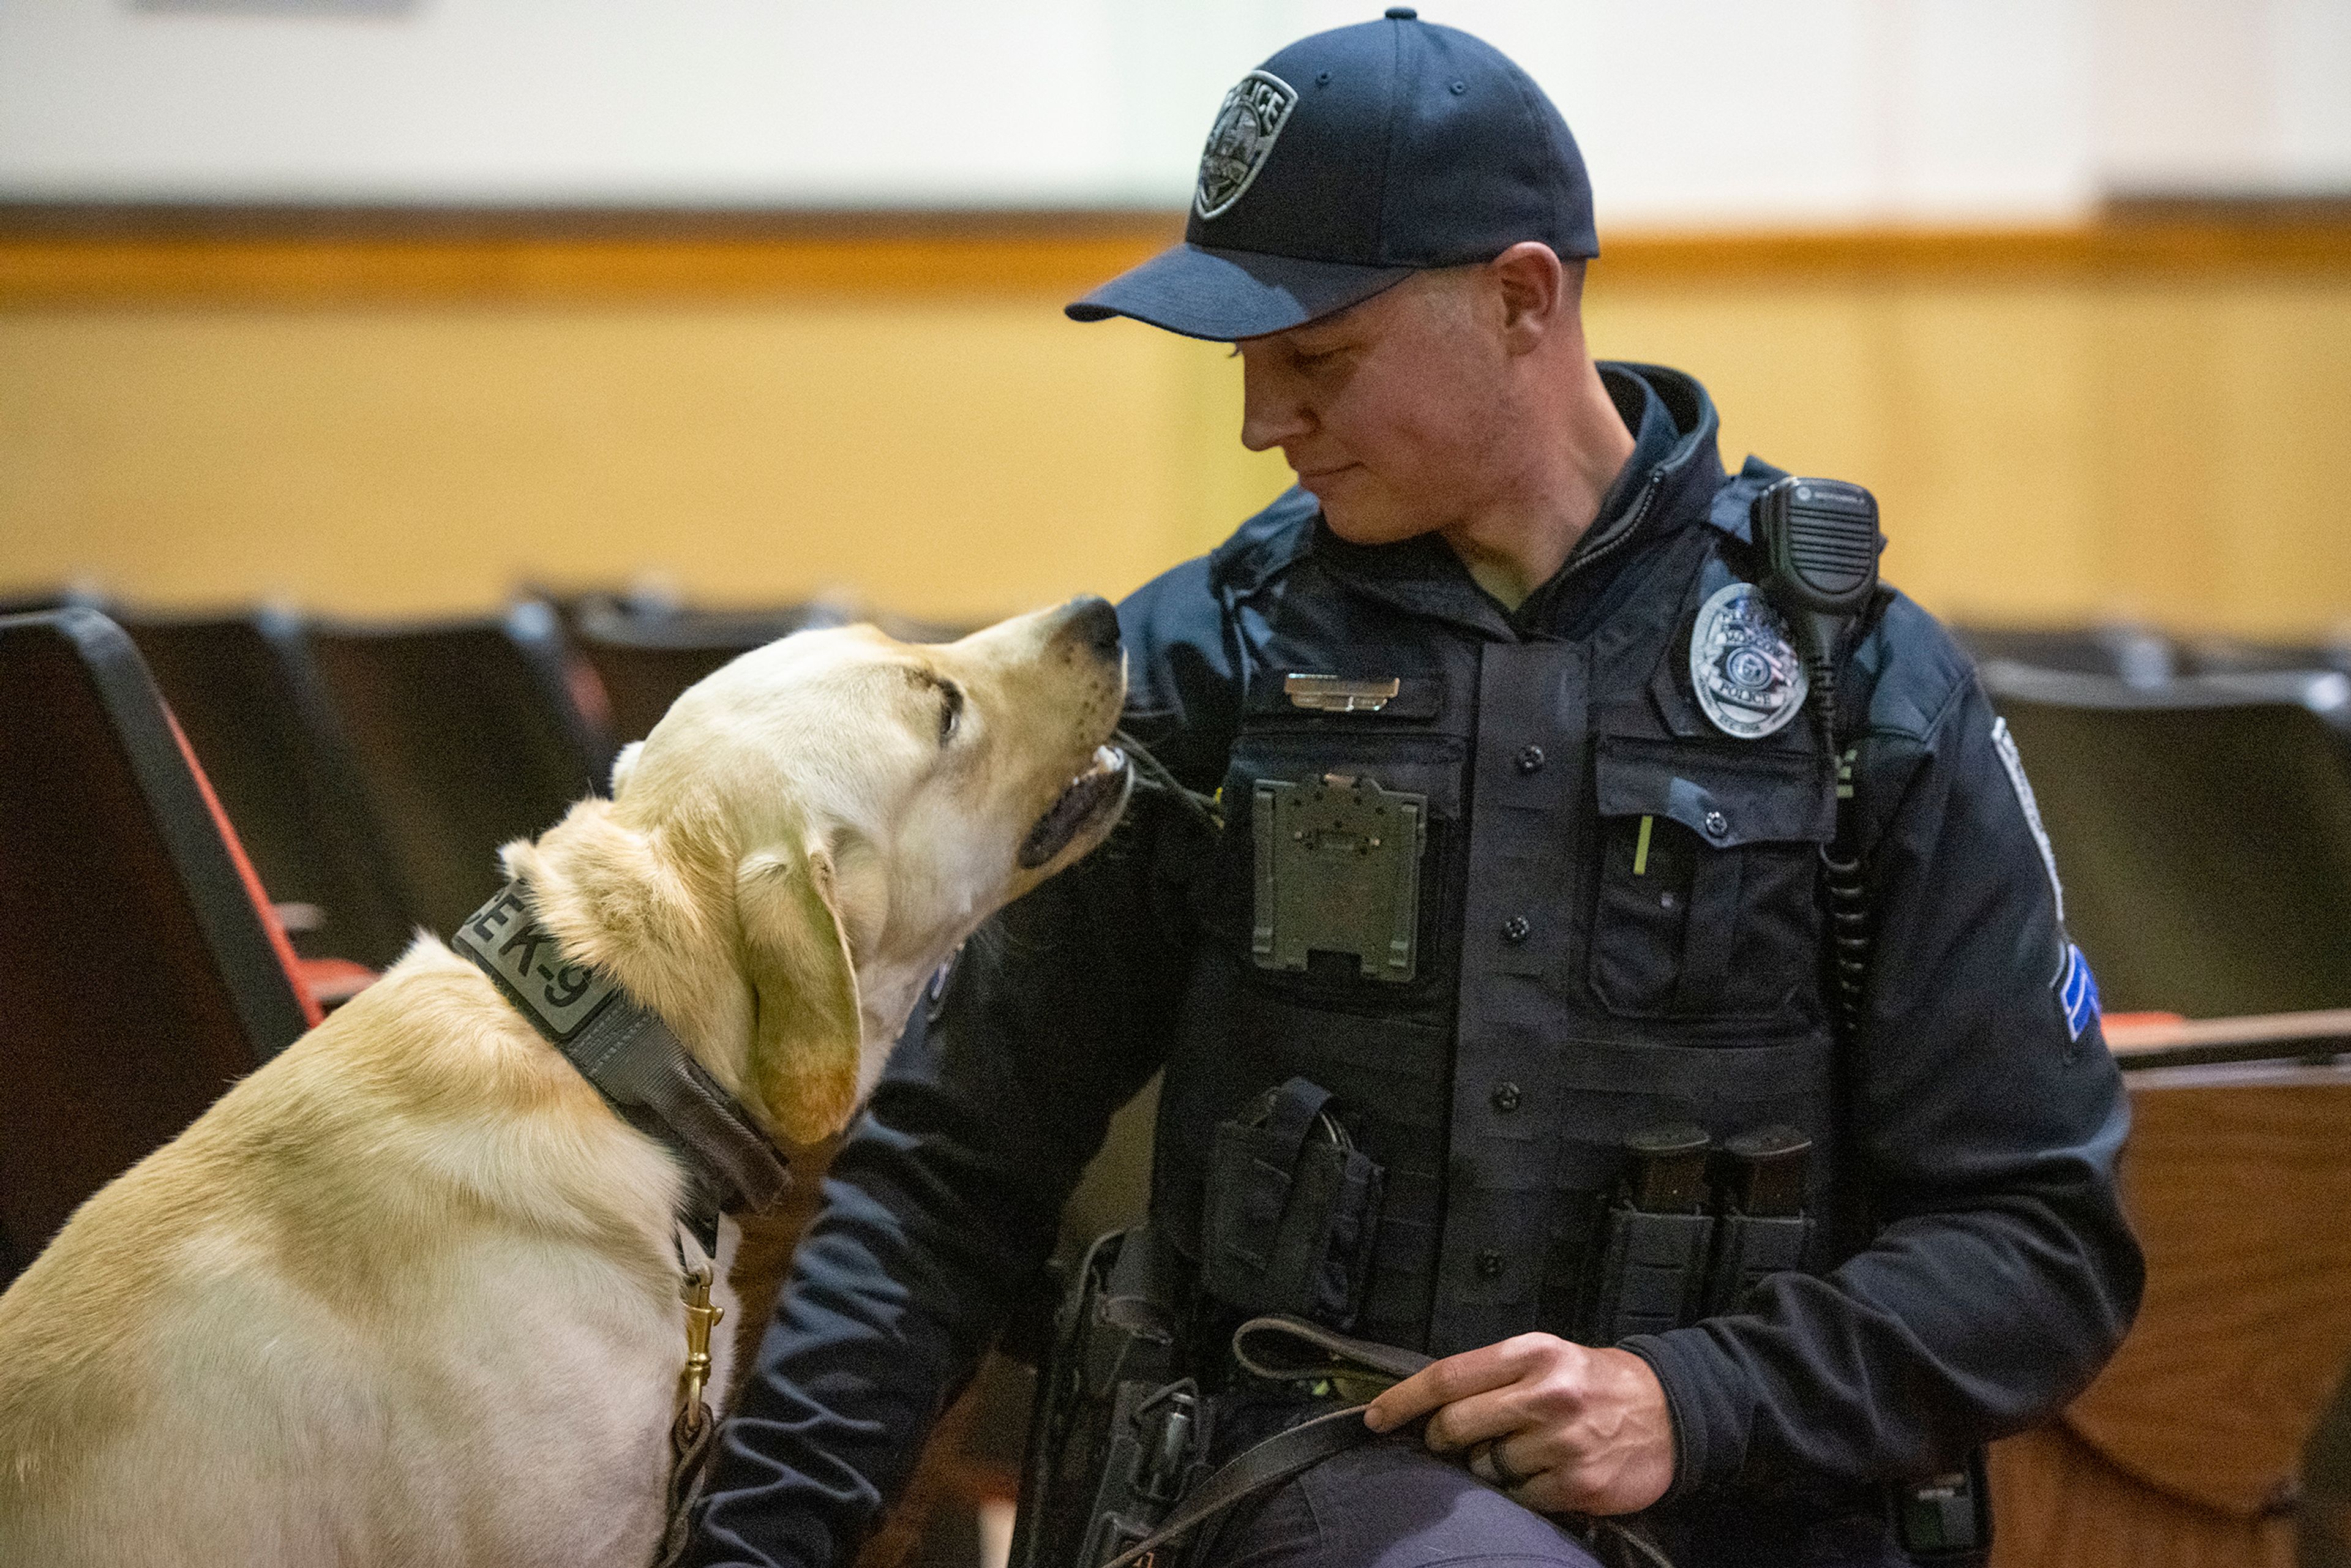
{"x": 2005, "y": 744}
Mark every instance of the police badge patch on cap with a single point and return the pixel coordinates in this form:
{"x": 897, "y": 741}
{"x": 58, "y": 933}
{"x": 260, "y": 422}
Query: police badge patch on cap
{"x": 1253, "y": 114}
{"x": 1748, "y": 675}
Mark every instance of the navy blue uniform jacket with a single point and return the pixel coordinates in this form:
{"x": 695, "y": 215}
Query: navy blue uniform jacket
{"x": 1999, "y": 1273}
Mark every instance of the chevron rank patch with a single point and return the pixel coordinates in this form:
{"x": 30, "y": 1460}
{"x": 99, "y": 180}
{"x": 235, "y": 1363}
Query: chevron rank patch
{"x": 2077, "y": 991}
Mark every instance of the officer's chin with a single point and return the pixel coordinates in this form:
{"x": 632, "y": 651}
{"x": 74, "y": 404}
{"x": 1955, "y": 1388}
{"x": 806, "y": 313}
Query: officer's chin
{"x": 1359, "y": 521}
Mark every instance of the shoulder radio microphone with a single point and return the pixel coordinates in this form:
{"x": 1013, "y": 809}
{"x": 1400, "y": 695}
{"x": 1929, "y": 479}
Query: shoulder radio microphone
{"x": 1820, "y": 542}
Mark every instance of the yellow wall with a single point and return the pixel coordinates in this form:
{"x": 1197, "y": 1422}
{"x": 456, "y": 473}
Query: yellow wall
{"x": 2058, "y": 426}
{"x": 2046, "y": 451}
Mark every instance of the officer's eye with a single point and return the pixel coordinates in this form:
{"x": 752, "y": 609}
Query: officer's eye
{"x": 950, "y": 710}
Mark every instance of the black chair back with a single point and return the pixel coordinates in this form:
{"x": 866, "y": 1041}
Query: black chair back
{"x": 2232, "y": 655}
{"x": 467, "y": 735}
{"x": 2134, "y": 656}
{"x": 138, "y": 973}
{"x": 32, "y": 601}
{"x": 248, "y": 691}
{"x": 646, "y": 660}
{"x": 2203, "y": 832}
{"x": 646, "y": 652}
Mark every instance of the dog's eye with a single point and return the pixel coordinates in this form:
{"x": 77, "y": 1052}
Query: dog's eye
{"x": 950, "y": 710}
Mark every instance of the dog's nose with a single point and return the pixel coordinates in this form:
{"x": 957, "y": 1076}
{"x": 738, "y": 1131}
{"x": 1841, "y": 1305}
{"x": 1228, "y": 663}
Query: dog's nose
{"x": 1094, "y": 623}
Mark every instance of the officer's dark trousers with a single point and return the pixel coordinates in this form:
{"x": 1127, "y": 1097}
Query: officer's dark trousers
{"x": 1388, "y": 1504}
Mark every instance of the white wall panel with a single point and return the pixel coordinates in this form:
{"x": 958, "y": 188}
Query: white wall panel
{"x": 1691, "y": 111}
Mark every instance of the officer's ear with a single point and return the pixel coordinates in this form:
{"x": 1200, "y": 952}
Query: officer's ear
{"x": 1533, "y": 287}
{"x": 807, "y": 1033}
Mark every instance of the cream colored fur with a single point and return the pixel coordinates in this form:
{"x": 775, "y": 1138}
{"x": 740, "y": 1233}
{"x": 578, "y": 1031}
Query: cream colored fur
{"x": 407, "y": 1295}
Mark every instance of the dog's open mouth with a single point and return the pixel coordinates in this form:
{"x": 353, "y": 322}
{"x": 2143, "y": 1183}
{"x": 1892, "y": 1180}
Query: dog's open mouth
{"x": 1099, "y": 790}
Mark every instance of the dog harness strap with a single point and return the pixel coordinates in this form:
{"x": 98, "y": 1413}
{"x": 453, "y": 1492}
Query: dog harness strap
{"x": 630, "y": 1056}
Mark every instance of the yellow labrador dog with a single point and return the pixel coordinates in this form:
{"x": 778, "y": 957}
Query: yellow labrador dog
{"x": 410, "y": 1294}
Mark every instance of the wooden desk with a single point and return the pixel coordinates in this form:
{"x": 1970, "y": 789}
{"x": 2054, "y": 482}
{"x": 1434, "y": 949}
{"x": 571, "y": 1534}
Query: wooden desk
{"x": 2184, "y": 1452}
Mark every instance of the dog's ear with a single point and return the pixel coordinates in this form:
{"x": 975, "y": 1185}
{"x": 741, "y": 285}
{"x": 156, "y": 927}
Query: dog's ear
{"x": 806, "y": 1036}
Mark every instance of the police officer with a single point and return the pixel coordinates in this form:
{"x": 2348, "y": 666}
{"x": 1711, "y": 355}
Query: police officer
{"x": 1520, "y": 863}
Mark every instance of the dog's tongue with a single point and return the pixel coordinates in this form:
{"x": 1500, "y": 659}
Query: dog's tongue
{"x": 1076, "y": 806}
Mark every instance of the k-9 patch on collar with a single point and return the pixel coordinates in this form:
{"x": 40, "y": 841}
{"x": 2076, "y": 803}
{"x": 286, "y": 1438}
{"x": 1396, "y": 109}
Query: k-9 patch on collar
{"x": 1239, "y": 142}
{"x": 1748, "y": 675}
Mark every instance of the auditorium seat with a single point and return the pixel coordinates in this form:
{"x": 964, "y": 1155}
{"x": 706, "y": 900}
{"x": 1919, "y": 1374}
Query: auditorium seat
{"x": 2202, "y": 831}
{"x": 646, "y": 652}
{"x": 468, "y": 734}
{"x": 140, "y": 972}
{"x": 246, "y": 690}
{"x": 2325, "y": 1524}
{"x": 32, "y": 601}
{"x": 2231, "y": 656}
{"x": 2135, "y": 656}
{"x": 645, "y": 659}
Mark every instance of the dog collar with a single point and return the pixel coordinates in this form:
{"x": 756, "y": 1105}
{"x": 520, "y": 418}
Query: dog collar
{"x": 630, "y": 1056}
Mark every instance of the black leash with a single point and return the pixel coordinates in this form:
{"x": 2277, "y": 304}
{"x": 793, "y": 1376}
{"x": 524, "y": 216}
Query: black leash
{"x": 1291, "y": 1350}
{"x": 1153, "y": 777}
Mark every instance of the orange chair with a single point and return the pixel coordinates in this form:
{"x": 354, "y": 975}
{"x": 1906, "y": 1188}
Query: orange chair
{"x": 247, "y": 691}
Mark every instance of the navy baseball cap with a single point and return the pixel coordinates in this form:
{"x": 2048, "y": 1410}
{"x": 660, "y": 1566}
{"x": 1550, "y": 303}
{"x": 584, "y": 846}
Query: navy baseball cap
{"x": 1345, "y": 164}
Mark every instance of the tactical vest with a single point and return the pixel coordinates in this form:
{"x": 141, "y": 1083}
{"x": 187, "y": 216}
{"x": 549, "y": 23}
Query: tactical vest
{"x": 1613, "y": 923}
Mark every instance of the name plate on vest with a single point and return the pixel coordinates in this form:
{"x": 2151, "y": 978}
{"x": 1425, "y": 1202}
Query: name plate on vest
{"x": 560, "y": 999}
{"x": 1338, "y": 871}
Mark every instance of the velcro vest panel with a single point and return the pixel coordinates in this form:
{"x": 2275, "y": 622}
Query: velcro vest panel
{"x": 1619, "y": 928}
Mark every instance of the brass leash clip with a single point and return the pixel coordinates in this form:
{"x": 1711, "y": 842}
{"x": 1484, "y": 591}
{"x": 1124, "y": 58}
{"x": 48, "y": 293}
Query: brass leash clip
{"x": 700, "y": 1318}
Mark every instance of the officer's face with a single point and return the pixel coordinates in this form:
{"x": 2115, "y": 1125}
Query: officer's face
{"x": 1392, "y": 413}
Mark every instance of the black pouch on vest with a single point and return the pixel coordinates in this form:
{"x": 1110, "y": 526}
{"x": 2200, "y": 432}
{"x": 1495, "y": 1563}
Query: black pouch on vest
{"x": 1653, "y": 1259}
{"x": 1292, "y": 1211}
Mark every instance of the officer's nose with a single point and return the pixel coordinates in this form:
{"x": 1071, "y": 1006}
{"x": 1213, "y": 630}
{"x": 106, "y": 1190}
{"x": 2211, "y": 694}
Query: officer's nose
{"x": 1092, "y": 624}
{"x": 1271, "y": 413}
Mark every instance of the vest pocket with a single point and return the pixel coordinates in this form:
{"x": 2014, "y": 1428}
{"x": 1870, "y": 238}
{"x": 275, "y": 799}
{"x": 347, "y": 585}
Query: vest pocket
{"x": 1705, "y": 904}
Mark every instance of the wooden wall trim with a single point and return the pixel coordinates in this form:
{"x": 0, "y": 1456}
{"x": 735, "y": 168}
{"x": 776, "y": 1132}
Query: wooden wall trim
{"x": 170, "y": 258}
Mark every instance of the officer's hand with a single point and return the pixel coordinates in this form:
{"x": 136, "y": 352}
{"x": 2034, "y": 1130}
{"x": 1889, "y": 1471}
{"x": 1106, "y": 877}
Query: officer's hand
{"x": 1560, "y": 1427}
